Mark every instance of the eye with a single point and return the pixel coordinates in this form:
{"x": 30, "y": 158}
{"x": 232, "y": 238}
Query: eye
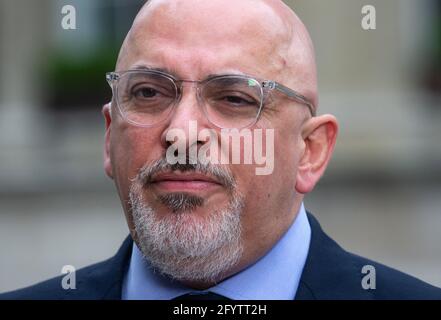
{"x": 238, "y": 100}
{"x": 145, "y": 92}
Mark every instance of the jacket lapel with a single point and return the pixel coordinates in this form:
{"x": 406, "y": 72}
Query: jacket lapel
{"x": 330, "y": 272}
{"x": 104, "y": 280}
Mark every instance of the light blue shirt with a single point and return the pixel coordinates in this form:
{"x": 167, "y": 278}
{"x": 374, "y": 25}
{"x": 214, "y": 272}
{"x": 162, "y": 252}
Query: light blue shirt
{"x": 275, "y": 276}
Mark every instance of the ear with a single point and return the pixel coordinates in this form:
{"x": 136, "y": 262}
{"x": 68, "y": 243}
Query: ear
{"x": 106, "y": 111}
{"x": 319, "y": 136}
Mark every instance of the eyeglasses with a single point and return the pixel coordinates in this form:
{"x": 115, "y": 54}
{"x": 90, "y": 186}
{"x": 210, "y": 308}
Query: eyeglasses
{"x": 147, "y": 97}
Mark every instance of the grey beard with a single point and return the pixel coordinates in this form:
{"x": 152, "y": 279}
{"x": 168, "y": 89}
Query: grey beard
{"x": 181, "y": 202}
{"x": 184, "y": 246}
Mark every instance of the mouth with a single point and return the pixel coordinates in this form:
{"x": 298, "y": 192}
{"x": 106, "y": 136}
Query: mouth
{"x": 186, "y": 181}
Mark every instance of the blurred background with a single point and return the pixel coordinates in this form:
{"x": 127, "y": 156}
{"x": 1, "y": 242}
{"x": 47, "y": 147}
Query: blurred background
{"x": 381, "y": 196}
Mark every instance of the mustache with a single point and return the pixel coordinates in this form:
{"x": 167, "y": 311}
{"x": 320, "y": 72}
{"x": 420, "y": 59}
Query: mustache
{"x": 219, "y": 172}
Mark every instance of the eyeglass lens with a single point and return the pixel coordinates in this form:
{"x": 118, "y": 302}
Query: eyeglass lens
{"x": 148, "y": 98}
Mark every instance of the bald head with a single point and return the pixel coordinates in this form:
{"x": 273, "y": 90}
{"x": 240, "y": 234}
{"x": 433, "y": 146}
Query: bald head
{"x": 268, "y": 31}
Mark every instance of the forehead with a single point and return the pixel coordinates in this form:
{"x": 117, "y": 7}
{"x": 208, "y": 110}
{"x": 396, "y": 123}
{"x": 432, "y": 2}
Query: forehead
{"x": 195, "y": 38}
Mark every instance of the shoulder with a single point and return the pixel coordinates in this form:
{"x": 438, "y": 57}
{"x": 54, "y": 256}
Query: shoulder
{"x": 52, "y": 289}
{"x": 102, "y": 280}
{"x": 391, "y": 283}
{"x": 331, "y": 272}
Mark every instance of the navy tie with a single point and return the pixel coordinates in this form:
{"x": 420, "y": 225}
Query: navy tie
{"x": 201, "y": 296}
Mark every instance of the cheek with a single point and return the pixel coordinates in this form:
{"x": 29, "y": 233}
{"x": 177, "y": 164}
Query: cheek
{"x": 280, "y": 183}
{"x": 286, "y": 160}
{"x": 131, "y": 149}
{"x": 267, "y": 192}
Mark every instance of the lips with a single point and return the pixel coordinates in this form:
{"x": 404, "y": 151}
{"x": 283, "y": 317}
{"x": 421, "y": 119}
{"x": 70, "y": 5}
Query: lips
{"x": 190, "y": 181}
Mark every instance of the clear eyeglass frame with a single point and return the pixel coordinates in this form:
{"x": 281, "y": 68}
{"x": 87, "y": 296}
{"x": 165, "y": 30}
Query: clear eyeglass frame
{"x": 265, "y": 87}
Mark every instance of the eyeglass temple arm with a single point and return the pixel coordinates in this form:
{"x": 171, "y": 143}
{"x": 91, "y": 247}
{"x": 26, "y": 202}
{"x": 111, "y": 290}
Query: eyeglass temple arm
{"x": 290, "y": 93}
{"x": 111, "y": 76}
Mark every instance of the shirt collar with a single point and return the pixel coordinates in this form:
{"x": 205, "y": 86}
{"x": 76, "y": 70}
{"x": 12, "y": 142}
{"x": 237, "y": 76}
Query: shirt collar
{"x": 275, "y": 276}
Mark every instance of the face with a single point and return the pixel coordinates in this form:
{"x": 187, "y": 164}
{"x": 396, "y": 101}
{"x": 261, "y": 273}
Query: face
{"x": 200, "y": 224}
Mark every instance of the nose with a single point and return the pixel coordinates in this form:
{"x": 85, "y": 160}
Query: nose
{"x": 187, "y": 120}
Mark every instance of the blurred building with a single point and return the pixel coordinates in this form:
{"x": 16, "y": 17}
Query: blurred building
{"x": 380, "y": 197}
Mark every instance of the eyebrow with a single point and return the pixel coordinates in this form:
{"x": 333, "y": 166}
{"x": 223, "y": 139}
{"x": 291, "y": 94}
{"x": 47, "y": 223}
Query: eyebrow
{"x": 173, "y": 72}
{"x": 150, "y": 68}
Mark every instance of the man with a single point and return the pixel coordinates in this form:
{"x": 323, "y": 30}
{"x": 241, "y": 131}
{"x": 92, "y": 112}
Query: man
{"x": 210, "y": 230}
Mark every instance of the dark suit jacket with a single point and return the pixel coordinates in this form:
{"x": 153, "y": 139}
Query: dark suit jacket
{"x": 330, "y": 272}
